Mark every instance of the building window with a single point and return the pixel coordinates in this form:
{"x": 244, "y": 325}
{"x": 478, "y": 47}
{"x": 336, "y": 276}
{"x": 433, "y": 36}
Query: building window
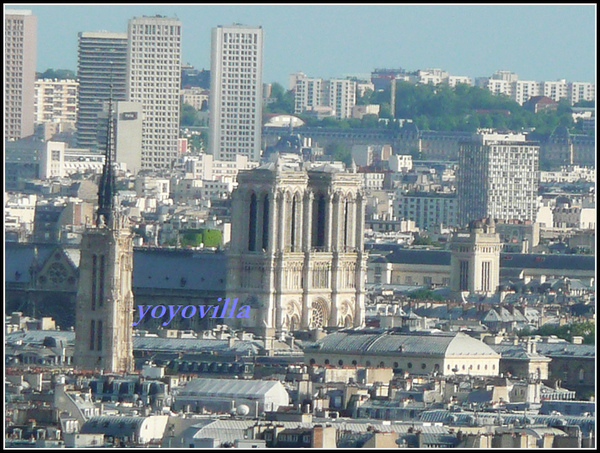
{"x": 94, "y": 282}
{"x": 265, "y": 235}
{"x": 485, "y": 275}
{"x": 101, "y": 282}
{"x": 92, "y": 334}
{"x": 252, "y": 226}
{"x": 319, "y": 237}
{"x": 99, "y": 336}
{"x": 464, "y": 275}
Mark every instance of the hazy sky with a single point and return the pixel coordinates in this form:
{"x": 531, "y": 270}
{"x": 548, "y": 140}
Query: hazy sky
{"x": 538, "y": 42}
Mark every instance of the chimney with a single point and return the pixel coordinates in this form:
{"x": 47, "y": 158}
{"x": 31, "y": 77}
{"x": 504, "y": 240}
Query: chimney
{"x": 577, "y": 339}
{"x": 230, "y": 341}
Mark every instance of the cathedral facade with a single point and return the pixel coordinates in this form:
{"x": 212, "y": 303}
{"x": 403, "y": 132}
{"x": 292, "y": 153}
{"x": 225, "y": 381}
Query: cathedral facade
{"x": 297, "y": 257}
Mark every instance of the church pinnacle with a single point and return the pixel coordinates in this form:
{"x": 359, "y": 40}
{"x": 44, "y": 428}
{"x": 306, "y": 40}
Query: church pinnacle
{"x": 107, "y": 185}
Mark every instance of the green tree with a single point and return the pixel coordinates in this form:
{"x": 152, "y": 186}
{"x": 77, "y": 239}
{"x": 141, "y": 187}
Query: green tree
{"x": 191, "y": 238}
{"x": 339, "y": 152}
{"x": 587, "y": 104}
{"x": 284, "y": 100}
{"x": 60, "y": 74}
{"x": 212, "y": 238}
{"x": 198, "y": 142}
{"x": 366, "y": 98}
{"x": 189, "y": 115}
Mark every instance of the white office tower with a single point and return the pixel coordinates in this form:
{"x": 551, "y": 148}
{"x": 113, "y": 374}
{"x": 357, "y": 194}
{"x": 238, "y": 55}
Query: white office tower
{"x": 20, "y": 40}
{"x": 154, "y": 75}
{"x": 236, "y": 92}
{"x": 497, "y": 178}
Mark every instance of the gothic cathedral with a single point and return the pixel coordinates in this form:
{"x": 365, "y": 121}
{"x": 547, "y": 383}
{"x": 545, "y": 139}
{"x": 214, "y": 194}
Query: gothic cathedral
{"x": 297, "y": 256}
{"x": 104, "y": 309}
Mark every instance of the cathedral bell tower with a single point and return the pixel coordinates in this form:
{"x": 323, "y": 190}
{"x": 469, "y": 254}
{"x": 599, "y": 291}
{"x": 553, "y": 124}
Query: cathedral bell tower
{"x": 475, "y": 259}
{"x": 103, "y": 324}
{"x": 297, "y": 257}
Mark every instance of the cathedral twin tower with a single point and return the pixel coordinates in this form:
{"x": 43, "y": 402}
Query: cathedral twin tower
{"x": 297, "y": 253}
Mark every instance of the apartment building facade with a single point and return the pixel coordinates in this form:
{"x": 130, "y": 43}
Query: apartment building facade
{"x": 497, "y": 177}
{"x": 311, "y": 94}
{"x": 102, "y": 74}
{"x": 427, "y": 209}
{"x": 20, "y": 48}
{"x": 154, "y": 80}
{"x": 56, "y": 101}
{"x": 236, "y": 92}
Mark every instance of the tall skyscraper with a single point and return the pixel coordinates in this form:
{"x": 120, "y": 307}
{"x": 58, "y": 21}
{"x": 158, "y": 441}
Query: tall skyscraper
{"x": 236, "y": 92}
{"x": 154, "y": 79}
{"x": 497, "y": 177}
{"x": 104, "y": 309}
{"x": 20, "y": 41}
{"x": 102, "y": 59}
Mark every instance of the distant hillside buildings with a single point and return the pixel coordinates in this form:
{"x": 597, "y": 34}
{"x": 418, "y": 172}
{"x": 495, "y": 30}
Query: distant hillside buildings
{"x": 501, "y": 82}
{"x": 319, "y": 97}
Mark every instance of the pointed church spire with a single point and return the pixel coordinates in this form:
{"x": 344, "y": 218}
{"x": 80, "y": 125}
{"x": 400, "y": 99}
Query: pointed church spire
{"x": 107, "y": 186}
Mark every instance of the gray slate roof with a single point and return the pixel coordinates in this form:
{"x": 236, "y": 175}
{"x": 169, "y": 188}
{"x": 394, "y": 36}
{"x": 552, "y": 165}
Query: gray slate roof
{"x": 36, "y": 337}
{"x": 559, "y": 350}
{"x": 491, "y": 418}
{"x": 232, "y": 388}
{"x": 507, "y": 260}
{"x": 179, "y": 270}
{"x": 152, "y": 268}
{"x": 402, "y": 344}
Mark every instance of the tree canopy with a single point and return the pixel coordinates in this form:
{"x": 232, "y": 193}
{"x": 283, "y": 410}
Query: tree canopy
{"x": 60, "y": 74}
{"x": 461, "y": 108}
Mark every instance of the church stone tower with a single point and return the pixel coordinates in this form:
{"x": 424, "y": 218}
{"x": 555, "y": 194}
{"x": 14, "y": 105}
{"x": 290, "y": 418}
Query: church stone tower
{"x": 297, "y": 256}
{"x": 103, "y": 314}
{"x": 475, "y": 259}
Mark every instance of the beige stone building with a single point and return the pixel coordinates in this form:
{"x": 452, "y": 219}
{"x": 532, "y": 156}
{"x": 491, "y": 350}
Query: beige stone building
{"x": 104, "y": 307}
{"x": 475, "y": 259}
{"x": 297, "y": 248}
{"x": 445, "y": 354}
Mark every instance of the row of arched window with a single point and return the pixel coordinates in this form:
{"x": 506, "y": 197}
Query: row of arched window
{"x": 259, "y": 212}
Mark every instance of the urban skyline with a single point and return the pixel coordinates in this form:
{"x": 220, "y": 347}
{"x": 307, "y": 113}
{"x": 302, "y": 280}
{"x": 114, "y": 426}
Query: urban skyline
{"x": 426, "y": 36}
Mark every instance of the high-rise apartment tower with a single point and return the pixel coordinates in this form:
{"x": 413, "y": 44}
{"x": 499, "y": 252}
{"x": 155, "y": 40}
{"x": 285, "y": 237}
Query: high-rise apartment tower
{"x": 20, "y": 40}
{"x": 236, "y": 92}
{"x": 498, "y": 178}
{"x": 154, "y": 78}
{"x": 102, "y": 61}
